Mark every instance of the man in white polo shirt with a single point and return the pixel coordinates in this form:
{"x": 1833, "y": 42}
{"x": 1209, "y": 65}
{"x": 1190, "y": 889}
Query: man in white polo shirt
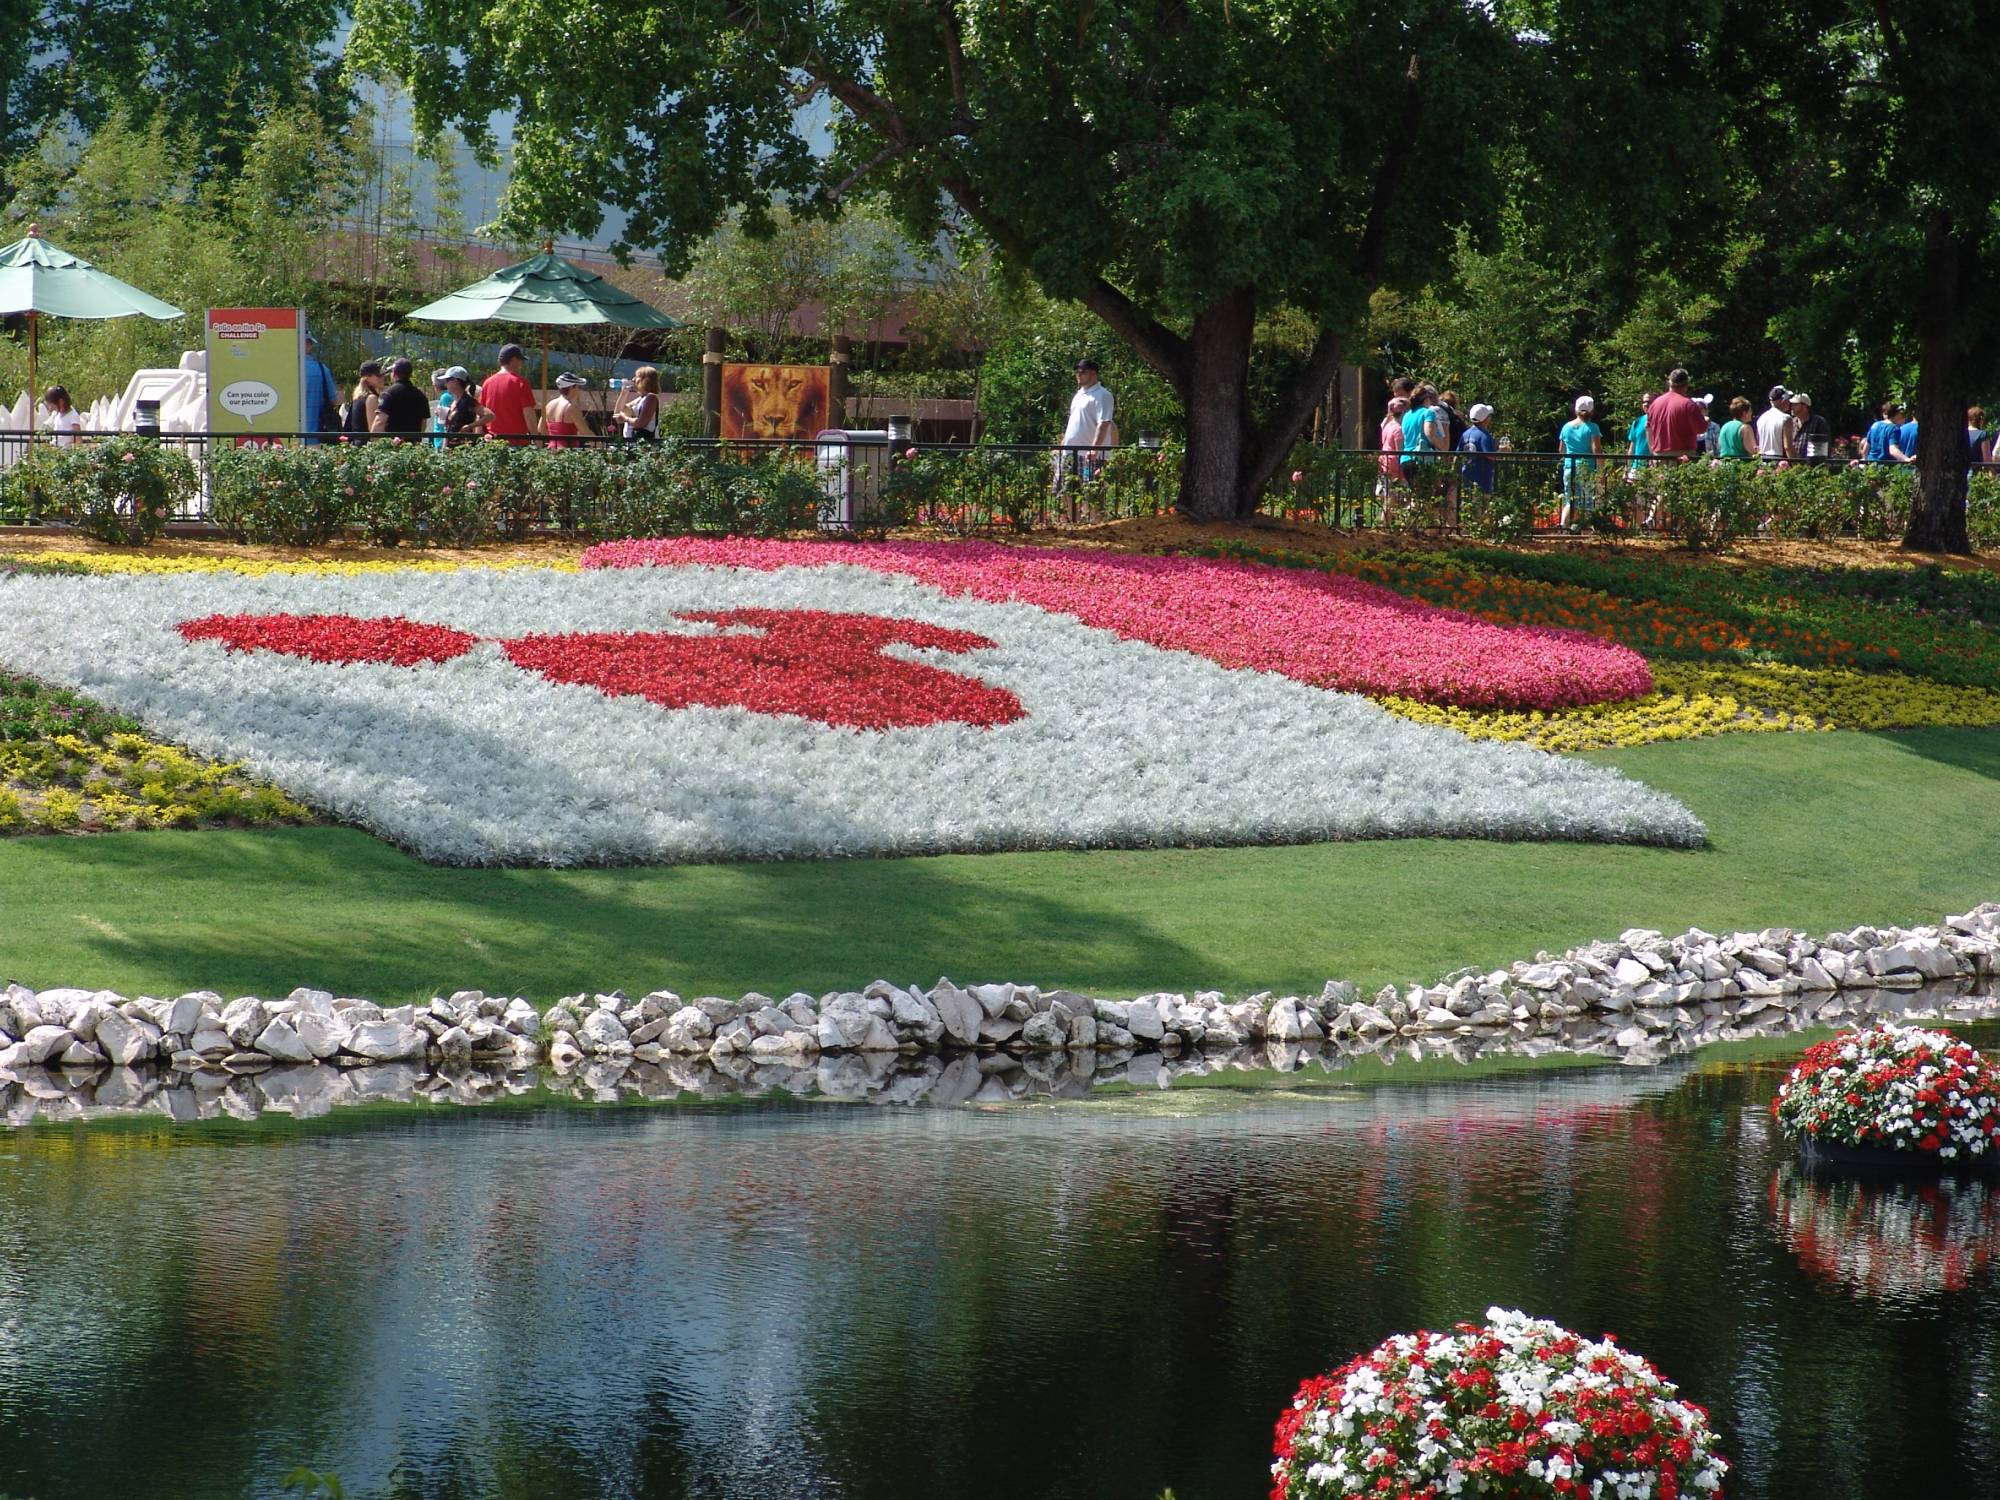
{"x": 1090, "y": 424}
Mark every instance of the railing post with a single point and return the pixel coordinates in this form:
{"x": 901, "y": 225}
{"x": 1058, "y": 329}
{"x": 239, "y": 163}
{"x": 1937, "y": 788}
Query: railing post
{"x": 711, "y": 382}
{"x": 836, "y": 379}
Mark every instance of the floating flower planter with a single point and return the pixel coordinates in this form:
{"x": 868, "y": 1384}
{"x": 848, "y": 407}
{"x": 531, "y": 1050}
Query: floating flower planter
{"x": 1892, "y": 1096}
{"x": 1518, "y": 1406}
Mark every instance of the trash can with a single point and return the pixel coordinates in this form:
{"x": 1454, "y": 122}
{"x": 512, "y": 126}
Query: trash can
{"x": 852, "y": 468}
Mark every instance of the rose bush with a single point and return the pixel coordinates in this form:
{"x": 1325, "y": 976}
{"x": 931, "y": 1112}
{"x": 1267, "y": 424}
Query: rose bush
{"x": 1517, "y": 1406}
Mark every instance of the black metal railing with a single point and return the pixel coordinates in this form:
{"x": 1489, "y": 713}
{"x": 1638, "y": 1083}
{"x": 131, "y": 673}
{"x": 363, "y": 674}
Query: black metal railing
{"x": 987, "y": 487}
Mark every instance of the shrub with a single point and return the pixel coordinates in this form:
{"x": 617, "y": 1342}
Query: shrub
{"x": 289, "y": 495}
{"x": 124, "y": 490}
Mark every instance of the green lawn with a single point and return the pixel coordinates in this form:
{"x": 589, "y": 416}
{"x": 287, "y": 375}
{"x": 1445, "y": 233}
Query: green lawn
{"x": 1809, "y": 831}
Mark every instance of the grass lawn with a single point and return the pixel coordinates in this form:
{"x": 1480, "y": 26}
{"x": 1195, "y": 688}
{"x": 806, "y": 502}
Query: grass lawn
{"x": 1809, "y": 830}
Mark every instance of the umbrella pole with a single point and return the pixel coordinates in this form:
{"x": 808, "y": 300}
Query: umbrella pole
{"x": 545, "y": 359}
{"x": 33, "y": 352}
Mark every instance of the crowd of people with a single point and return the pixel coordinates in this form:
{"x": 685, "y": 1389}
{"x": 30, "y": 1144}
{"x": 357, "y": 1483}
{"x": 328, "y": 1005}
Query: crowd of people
{"x": 1422, "y": 424}
{"x": 386, "y": 401}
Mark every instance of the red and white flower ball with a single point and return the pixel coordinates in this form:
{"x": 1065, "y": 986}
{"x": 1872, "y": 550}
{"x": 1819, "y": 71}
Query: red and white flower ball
{"x": 1517, "y": 1406}
{"x": 1894, "y": 1088}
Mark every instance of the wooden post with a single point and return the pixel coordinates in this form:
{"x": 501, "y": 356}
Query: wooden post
{"x": 711, "y": 382}
{"x": 836, "y": 380}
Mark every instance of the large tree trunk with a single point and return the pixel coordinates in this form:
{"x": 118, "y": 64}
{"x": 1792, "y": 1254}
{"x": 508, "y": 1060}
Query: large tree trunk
{"x": 1217, "y": 398}
{"x": 1937, "y": 518}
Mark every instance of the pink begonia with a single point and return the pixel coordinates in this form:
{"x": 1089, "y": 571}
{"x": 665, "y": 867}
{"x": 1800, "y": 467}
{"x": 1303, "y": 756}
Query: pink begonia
{"x": 1314, "y": 627}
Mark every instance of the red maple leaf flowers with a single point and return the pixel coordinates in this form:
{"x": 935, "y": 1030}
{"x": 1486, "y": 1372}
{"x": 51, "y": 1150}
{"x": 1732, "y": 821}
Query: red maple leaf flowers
{"x": 810, "y": 664}
{"x": 337, "y": 639}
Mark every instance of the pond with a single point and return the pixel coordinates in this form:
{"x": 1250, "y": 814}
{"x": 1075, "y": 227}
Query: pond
{"x": 1100, "y": 1297}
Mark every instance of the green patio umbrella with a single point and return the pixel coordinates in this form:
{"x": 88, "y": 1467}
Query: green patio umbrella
{"x": 545, "y": 290}
{"x": 37, "y": 278}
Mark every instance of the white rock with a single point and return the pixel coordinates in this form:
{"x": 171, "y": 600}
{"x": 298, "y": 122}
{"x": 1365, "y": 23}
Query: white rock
{"x": 243, "y": 1020}
{"x": 600, "y": 1029}
{"x": 959, "y": 1013}
{"x": 322, "y": 1035}
{"x": 1142, "y": 1019}
{"x": 125, "y": 1042}
{"x": 282, "y": 1041}
{"x": 46, "y": 1042}
{"x": 386, "y": 1041}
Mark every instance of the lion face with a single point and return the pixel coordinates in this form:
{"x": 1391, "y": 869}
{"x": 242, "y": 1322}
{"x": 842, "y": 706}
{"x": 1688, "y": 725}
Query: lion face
{"x": 774, "y": 401}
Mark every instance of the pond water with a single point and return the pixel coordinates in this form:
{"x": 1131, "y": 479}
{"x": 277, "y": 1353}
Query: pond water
{"x": 1099, "y": 1298}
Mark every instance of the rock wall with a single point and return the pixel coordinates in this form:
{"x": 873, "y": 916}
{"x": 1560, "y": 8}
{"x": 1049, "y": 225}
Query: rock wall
{"x": 1642, "y": 998}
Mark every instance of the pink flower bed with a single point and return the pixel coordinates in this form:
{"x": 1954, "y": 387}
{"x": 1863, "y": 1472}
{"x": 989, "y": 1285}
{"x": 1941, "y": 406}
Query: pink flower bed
{"x": 1313, "y": 627}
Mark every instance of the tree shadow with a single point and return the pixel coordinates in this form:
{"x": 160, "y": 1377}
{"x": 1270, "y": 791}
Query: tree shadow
{"x": 1977, "y": 751}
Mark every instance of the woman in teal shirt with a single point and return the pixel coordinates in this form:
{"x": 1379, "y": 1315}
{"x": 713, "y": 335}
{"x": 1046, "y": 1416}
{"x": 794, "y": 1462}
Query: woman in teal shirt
{"x": 1737, "y": 433}
{"x": 1582, "y": 444}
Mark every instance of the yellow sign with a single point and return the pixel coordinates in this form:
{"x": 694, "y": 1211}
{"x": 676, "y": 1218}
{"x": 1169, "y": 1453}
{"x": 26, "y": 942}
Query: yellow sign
{"x": 256, "y": 373}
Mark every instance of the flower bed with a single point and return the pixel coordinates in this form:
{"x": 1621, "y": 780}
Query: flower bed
{"x": 68, "y": 766}
{"x": 1319, "y": 629}
{"x": 1692, "y": 700}
{"x": 1897, "y": 1089}
{"x": 1518, "y": 1406}
{"x": 715, "y": 712}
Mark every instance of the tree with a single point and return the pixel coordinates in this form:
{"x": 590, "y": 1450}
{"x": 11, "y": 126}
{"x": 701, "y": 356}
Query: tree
{"x": 1173, "y": 165}
{"x": 755, "y": 276}
{"x": 210, "y": 71}
{"x": 1904, "y": 234}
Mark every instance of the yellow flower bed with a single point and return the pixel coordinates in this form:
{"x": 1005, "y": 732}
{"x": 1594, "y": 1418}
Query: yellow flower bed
{"x": 69, "y": 782}
{"x": 107, "y": 562}
{"x": 1695, "y": 699}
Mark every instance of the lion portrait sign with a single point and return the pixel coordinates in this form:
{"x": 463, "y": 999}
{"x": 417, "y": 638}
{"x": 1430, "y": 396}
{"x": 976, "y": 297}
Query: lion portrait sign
{"x": 773, "y": 401}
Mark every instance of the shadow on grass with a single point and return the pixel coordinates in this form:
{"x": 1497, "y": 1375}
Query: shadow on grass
{"x": 268, "y": 910}
{"x": 1977, "y": 751}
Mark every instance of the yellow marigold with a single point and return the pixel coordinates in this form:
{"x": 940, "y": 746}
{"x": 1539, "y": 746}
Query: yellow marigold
{"x": 108, "y": 563}
{"x": 1692, "y": 700}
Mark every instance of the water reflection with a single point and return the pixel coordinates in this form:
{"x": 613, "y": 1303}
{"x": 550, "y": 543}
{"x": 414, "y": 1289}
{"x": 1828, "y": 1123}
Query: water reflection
{"x": 1881, "y": 1237}
{"x": 1062, "y": 1300}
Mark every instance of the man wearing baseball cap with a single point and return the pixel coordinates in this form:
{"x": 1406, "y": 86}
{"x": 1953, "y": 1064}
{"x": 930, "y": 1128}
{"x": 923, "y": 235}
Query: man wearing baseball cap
{"x": 508, "y": 396}
{"x": 1090, "y": 423}
{"x": 1775, "y": 427}
{"x": 1477, "y": 440}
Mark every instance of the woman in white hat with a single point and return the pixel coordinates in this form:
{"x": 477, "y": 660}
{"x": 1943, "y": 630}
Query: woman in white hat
{"x": 563, "y": 419}
{"x": 463, "y": 415}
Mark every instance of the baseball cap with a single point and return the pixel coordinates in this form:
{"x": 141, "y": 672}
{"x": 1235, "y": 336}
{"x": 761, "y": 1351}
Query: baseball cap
{"x": 371, "y": 367}
{"x": 567, "y": 381}
{"x": 456, "y": 372}
{"x": 1480, "y": 411}
{"x": 1086, "y": 364}
{"x": 1802, "y": 398}
{"x": 401, "y": 369}
{"x": 512, "y": 351}
{"x": 1779, "y": 393}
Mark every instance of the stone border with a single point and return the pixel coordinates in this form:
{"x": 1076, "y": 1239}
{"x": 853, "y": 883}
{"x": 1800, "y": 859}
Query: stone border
{"x": 1641, "y": 996}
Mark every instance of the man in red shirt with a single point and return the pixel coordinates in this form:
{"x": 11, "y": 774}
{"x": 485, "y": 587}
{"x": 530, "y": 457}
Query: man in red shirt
{"x": 1674, "y": 422}
{"x": 507, "y": 394}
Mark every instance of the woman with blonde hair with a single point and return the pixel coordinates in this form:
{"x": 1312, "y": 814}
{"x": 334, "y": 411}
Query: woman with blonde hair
{"x": 639, "y": 411}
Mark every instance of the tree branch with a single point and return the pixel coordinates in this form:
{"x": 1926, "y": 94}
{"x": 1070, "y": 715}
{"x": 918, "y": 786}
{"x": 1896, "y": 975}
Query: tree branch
{"x": 954, "y": 60}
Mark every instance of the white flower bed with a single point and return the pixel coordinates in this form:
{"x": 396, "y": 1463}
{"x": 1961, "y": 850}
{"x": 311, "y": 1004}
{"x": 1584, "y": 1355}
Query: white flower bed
{"x": 476, "y": 760}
